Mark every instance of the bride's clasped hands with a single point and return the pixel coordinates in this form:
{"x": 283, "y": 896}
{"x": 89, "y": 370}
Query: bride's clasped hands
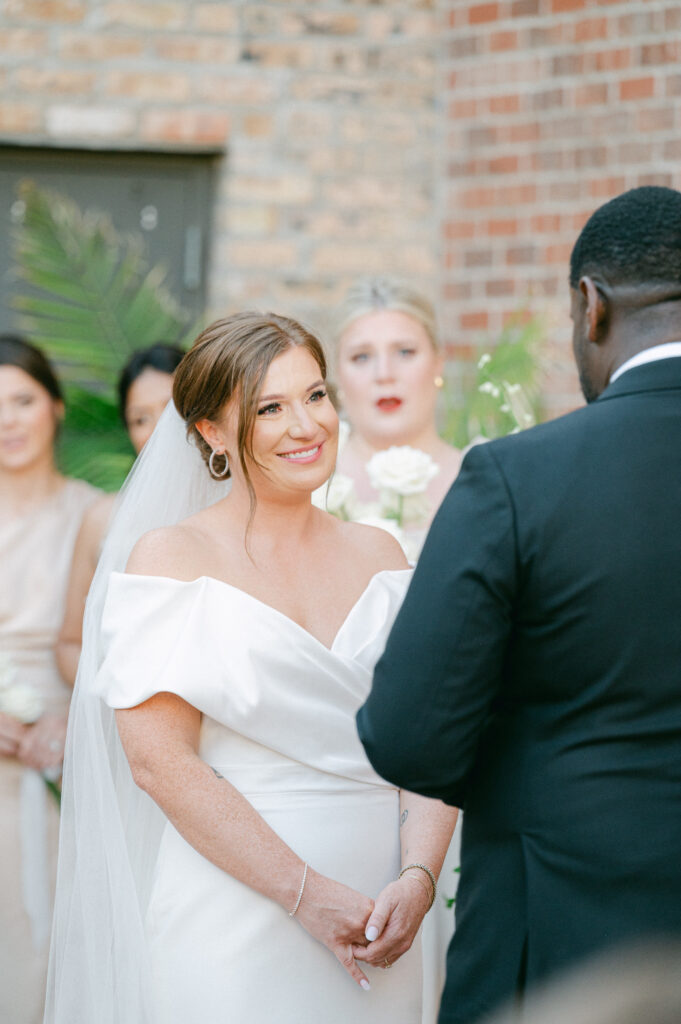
{"x": 337, "y": 917}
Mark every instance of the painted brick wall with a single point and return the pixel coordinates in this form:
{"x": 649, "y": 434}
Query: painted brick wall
{"x": 553, "y": 106}
{"x": 326, "y": 111}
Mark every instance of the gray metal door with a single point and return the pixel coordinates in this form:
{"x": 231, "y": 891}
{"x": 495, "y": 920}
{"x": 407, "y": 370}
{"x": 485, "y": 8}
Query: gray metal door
{"x": 166, "y": 199}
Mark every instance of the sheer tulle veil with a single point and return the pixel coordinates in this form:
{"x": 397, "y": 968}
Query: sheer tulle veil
{"x": 110, "y": 829}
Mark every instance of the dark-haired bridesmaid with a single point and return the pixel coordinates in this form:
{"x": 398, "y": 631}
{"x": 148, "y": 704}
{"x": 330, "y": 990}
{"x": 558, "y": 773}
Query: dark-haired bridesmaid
{"x": 40, "y": 514}
{"x": 145, "y": 387}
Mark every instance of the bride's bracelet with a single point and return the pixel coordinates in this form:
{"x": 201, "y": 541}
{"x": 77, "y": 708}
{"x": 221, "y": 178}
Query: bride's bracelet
{"x": 431, "y": 876}
{"x": 292, "y": 913}
{"x": 426, "y": 888}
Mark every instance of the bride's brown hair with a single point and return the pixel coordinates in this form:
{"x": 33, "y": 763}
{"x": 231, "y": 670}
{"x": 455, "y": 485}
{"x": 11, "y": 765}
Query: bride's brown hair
{"x": 230, "y": 359}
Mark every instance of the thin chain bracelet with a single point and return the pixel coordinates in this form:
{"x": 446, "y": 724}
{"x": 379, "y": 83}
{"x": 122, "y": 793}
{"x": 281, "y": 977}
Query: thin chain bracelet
{"x": 431, "y": 876}
{"x": 292, "y": 913}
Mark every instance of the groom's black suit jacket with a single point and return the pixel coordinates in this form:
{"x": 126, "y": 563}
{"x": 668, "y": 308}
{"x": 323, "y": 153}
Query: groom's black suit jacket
{"x": 533, "y": 677}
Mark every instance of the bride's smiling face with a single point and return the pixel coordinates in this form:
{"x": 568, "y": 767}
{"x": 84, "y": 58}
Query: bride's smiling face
{"x": 295, "y": 432}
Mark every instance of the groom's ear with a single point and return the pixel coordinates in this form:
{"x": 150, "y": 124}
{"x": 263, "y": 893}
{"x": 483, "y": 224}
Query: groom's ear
{"x": 597, "y": 309}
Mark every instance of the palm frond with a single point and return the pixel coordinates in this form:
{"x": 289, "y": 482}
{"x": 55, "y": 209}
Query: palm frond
{"x": 93, "y": 444}
{"x": 89, "y": 296}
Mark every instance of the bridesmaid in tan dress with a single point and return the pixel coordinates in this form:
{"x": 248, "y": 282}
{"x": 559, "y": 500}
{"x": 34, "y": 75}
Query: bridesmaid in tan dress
{"x": 389, "y": 369}
{"x": 40, "y": 513}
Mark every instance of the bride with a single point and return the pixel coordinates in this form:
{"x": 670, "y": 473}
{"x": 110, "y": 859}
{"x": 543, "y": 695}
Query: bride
{"x": 228, "y": 853}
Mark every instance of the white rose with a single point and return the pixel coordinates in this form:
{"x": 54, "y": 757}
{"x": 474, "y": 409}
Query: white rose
{"x": 343, "y": 434}
{"x": 319, "y": 496}
{"x": 402, "y": 470}
{"x": 341, "y": 497}
{"x": 337, "y": 496}
{"x": 22, "y": 703}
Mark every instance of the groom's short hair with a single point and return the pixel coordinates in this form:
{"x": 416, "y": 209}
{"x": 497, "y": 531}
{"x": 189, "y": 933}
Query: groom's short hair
{"x": 634, "y": 239}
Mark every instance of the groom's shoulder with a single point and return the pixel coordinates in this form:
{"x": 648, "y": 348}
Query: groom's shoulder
{"x": 540, "y": 439}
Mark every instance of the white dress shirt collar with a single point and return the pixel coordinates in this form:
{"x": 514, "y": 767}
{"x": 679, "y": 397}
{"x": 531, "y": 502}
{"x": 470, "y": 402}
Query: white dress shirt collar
{"x": 649, "y": 355}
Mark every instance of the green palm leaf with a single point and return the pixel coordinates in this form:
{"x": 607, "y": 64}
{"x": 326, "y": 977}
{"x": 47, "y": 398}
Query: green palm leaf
{"x": 89, "y": 297}
{"x": 93, "y": 444}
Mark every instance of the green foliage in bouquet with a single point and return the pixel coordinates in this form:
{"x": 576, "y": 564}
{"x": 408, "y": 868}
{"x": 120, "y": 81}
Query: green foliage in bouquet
{"x": 503, "y": 397}
{"x": 88, "y": 297}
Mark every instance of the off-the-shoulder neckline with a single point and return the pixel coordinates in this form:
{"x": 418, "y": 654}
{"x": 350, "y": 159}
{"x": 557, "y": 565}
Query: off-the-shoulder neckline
{"x": 263, "y": 604}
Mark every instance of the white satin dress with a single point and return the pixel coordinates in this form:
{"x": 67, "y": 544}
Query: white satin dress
{"x": 278, "y": 723}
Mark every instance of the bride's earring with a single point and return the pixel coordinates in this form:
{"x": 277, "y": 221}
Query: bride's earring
{"x": 211, "y": 468}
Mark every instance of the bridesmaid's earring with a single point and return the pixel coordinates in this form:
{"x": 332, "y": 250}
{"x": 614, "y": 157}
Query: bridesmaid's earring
{"x": 439, "y": 381}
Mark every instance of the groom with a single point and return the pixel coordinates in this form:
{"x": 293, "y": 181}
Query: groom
{"x": 533, "y": 675}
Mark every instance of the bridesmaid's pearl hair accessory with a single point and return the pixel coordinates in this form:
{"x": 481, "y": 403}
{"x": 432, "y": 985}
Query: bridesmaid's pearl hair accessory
{"x": 211, "y": 468}
{"x": 292, "y": 913}
{"x": 431, "y": 876}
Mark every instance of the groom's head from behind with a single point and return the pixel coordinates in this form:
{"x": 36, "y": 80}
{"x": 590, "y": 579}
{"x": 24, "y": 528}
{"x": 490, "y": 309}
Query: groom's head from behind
{"x": 625, "y": 282}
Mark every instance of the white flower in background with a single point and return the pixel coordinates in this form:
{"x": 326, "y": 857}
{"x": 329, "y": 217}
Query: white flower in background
{"x": 334, "y": 496}
{"x": 341, "y": 499}
{"x": 485, "y": 358}
{"x": 319, "y": 496}
{"x": 403, "y": 470}
{"x": 17, "y": 699}
{"x": 519, "y": 405}
{"x": 337, "y": 496}
{"x": 487, "y": 388}
{"x": 22, "y": 703}
{"x": 401, "y": 475}
{"x": 343, "y": 434}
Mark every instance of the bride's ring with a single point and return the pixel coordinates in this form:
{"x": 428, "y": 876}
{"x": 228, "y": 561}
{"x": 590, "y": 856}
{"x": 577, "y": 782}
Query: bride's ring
{"x": 387, "y": 963}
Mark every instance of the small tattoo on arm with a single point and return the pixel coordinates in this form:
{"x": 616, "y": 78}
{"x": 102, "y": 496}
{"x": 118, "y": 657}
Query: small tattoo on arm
{"x": 216, "y": 773}
{"x": 403, "y": 817}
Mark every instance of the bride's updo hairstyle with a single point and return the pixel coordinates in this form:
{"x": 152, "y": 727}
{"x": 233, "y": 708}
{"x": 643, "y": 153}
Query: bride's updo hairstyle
{"x": 230, "y": 359}
{"x": 385, "y": 294}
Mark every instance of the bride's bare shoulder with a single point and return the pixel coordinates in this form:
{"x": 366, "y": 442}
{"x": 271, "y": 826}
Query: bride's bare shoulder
{"x": 375, "y": 547}
{"x": 173, "y": 551}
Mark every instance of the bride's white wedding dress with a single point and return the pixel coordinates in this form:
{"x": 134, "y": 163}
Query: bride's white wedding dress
{"x": 279, "y": 724}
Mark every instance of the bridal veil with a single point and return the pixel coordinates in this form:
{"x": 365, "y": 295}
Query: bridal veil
{"x": 110, "y": 829}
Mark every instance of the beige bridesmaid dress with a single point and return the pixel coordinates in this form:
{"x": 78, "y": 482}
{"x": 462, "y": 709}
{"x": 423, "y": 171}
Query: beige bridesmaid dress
{"x": 35, "y": 559}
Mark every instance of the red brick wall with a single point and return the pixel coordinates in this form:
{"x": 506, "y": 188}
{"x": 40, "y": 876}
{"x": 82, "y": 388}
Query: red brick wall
{"x": 325, "y": 112}
{"x": 459, "y": 143}
{"x": 552, "y": 107}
